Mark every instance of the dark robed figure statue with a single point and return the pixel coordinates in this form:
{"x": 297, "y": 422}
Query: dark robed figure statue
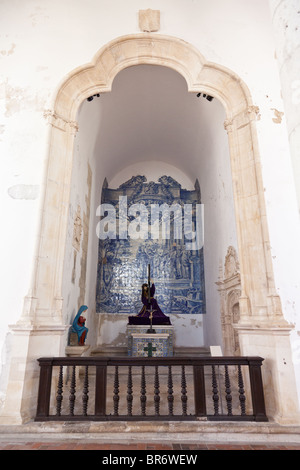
{"x": 150, "y": 305}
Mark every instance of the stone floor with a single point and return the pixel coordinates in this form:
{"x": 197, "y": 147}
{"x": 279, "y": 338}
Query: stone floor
{"x": 149, "y": 436}
{"x": 81, "y": 445}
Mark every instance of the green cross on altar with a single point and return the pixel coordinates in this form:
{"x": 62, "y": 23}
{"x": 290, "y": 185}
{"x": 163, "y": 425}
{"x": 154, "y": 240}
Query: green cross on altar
{"x": 149, "y": 349}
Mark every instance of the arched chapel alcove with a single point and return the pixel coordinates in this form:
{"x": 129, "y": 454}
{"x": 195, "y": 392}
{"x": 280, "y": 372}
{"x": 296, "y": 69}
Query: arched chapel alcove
{"x": 149, "y": 125}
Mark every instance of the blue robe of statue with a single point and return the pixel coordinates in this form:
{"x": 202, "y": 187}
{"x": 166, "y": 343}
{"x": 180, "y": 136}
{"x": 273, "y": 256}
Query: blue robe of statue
{"x": 78, "y": 325}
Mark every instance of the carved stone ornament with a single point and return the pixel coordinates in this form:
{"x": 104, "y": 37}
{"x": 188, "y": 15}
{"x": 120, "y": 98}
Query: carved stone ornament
{"x": 59, "y": 122}
{"x": 254, "y": 113}
{"x": 149, "y": 20}
{"x": 77, "y": 230}
{"x": 229, "y": 287}
{"x": 231, "y": 263}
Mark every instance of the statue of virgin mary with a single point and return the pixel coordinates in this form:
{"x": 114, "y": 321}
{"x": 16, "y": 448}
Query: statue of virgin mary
{"x": 79, "y": 327}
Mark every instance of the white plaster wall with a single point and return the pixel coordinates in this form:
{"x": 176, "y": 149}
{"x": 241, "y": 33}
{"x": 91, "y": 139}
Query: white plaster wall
{"x": 286, "y": 24}
{"x": 153, "y": 170}
{"x": 85, "y": 154}
{"x": 42, "y": 41}
{"x": 219, "y": 215}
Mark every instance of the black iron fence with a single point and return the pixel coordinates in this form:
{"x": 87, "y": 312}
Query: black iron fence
{"x": 150, "y": 388}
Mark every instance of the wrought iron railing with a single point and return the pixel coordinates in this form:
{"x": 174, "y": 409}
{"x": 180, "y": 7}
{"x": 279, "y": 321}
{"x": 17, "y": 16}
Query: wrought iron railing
{"x": 151, "y": 388}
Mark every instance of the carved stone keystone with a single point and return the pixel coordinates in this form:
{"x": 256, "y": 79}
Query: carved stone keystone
{"x": 149, "y": 20}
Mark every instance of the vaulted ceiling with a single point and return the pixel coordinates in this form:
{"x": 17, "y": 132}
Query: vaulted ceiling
{"x": 150, "y": 116}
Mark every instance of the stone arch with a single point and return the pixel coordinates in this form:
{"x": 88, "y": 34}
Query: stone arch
{"x": 258, "y": 301}
{"x": 262, "y": 329}
{"x": 174, "y": 53}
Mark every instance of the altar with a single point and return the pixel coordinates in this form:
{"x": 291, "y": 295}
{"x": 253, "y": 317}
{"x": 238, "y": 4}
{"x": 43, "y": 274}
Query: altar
{"x": 143, "y": 344}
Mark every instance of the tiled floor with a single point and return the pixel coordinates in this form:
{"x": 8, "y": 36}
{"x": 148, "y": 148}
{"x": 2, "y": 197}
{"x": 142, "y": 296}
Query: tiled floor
{"x": 77, "y": 445}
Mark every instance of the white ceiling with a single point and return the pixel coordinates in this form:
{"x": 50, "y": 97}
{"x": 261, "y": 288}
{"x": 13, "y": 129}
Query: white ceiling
{"x": 150, "y": 116}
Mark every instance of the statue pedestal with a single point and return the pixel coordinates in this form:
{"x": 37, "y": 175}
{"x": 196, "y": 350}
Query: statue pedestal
{"x": 160, "y": 343}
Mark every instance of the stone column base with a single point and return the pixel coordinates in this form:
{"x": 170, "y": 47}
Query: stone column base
{"x": 27, "y": 345}
{"x": 273, "y": 344}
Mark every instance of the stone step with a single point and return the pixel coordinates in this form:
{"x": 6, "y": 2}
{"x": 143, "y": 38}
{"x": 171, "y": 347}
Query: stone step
{"x": 115, "y": 351}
